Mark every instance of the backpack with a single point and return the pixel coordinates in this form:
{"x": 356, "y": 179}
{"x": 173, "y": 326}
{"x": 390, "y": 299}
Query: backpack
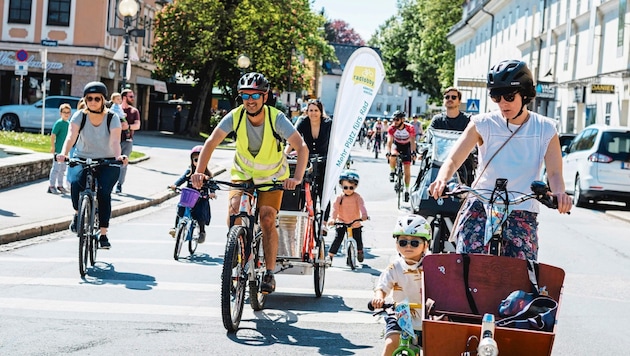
{"x": 110, "y": 116}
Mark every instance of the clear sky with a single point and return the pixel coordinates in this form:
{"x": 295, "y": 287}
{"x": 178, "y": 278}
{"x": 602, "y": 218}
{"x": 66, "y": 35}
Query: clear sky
{"x": 364, "y": 16}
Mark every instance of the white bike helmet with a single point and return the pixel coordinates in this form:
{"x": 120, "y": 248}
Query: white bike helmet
{"x": 413, "y": 225}
{"x": 350, "y": 176}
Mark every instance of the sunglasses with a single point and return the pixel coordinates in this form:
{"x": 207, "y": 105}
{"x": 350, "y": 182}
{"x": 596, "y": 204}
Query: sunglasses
{"x": 196, "y": 159}
{"x": 413, "y": 243}
{"x": 348, "y": 187}
{"x": 452, "y": 97}
{"x": 509, "y": 97}
{"x": 65, "y": 112}
{"x": 253, "y": 96}
{"x": 97, "y": 99}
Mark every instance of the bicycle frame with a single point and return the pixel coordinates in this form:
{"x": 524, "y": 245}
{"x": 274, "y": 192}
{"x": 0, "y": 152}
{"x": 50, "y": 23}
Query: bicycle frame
{"x": 349, "y": 244}
{"x": 185, "y": 231}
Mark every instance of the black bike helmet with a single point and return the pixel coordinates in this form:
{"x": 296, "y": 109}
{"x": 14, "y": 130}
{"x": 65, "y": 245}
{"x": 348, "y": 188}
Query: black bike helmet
{"x": 95, "y": 87}
{"x": 399, "y": 114}
{"x": 253, "y": 81}
{"x": 512, "y": 74}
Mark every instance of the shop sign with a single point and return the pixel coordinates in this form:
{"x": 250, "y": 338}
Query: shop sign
{"x": 545, "y": 90}
{"x": 602, "y": 89}
{"x": 9, "y": 59}
{"x": 81, "y": 63}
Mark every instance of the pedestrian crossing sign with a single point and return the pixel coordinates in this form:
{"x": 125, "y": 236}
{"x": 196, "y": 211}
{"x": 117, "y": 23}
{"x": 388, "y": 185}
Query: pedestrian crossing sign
{"x": 472, "y": 106}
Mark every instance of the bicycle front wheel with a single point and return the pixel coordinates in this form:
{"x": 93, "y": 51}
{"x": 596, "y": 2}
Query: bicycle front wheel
{"x": 256, "y": 297}
{"x": 233, "y": 278}
{"x": 352, "y": 256}
{"x": 319, "y": 274}
{"x": 83, "y": 231}
{"x": 437, "y": 245}
{"x": 94, "y": 234}
{"x": 180, "y": 236}
{"x": 193, "y": 239}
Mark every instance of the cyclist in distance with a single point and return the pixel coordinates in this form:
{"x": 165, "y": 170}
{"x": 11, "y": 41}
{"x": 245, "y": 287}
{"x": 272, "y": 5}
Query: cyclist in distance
{"x": 512, "y": 143}
{"x": 259, "y": 158}
{"x": 401, "y": 140}
{"x": 453, "y": 118}
{"x": 96, "y": 135}
{"x": 377, "y": 132}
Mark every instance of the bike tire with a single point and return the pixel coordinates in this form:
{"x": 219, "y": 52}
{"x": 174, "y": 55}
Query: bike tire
{"x": 437, "y": 243}
{"x": 193, "y": 239}
{"x": 257, "y": 298}
{"x": 83, "y": 228}
{"x": 180, "y": 236}
{"x": 233, "y": 279}
{"x": 319, "y": 273}
{"x": 93, "y": 241}
{"x": 351, "y": 260}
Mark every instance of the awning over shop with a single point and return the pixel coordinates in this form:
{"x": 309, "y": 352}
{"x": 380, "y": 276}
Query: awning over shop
{"x": 158, "y": 85}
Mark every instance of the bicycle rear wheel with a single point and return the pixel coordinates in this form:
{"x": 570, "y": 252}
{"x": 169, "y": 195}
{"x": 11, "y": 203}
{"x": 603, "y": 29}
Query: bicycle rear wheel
{"x": 180, "y": 236}
{"x": 83, "y": 231}
{"x": 94, "y": 235}
{"x": 319, "y": 275}
{"x": 233, "y": 278}
{"x": 194, "y": 237}
{"x": 437, "y": 244}
{"x": 257, "y": 299}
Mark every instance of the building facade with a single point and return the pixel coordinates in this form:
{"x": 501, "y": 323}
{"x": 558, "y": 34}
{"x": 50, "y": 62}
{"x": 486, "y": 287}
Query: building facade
{"x": 80, "y": 42}
{"x": 578, "y": 51}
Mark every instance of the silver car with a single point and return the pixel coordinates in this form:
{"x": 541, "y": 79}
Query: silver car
{"x": 29, "y": 117}
{"x": 596, "y": 166}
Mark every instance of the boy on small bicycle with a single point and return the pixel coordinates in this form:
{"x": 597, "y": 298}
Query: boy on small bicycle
{"x": 348, "y": 206}
{"x": 201, "y": 211}
{"x": 403, "y": 278}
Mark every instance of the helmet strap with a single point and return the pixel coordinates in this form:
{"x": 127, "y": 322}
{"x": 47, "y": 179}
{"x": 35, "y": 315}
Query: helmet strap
{"x": 256, "y": 112}
{"x": 97, "y": 112}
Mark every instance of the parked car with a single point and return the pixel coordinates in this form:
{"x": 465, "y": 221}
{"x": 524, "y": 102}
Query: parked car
{"x": 597, "y": 165}
{"x": 29, "y": 117}
{"x": 565, "y": 141}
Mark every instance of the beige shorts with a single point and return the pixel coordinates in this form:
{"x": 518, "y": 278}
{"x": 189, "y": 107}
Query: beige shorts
{"x": 272, "y": 199}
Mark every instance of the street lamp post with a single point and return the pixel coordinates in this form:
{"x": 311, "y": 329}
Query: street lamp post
{"x": 243, "y": 62}
{"x": 127, "y": 9}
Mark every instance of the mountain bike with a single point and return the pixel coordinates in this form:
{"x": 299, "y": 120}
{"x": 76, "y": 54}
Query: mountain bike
{"x": 244, "y": 259}
{"x": 349, "y": 243}
{"x": 88, "y": 229}
{"x": 399, "y": 183}
{"x": 409, "y": 338}
{"x": 498, "y": 202}
{"x": 187, "y": 229}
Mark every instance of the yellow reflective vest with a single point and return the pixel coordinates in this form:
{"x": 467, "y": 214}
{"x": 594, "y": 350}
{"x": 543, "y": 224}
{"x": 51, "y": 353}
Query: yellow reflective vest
{"x": 270, "y": 163}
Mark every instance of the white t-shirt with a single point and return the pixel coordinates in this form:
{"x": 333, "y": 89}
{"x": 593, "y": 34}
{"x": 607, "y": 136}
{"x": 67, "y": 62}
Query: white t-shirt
{"x": 520, "y": 160}
{"x": 403, "y": 281}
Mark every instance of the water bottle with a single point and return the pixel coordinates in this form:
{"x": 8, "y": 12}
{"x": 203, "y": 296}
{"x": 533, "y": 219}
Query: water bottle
{"x": 487, "y": 345}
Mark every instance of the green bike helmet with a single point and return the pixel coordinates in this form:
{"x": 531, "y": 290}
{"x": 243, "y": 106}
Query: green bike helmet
{"x": 413, "y": 225}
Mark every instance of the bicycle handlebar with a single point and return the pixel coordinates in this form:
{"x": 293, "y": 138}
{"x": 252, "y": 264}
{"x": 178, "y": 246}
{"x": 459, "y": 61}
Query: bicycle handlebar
{"x": 92, "y": 162}
{"x": 392, "y": 305}
{"x": 540, "y": 192}
{"x": 213, "y": 184}
{"x": 346, "y": 225}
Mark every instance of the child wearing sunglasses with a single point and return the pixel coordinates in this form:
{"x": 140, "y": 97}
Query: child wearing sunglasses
{"x": 201, "y": 210}
{"x": 348, "y": 206}
{"x": 402, "y": 280}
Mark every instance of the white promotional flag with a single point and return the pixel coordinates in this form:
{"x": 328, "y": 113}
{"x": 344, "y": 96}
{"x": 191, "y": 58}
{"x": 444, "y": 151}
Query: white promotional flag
{"x": 361, "y": 78}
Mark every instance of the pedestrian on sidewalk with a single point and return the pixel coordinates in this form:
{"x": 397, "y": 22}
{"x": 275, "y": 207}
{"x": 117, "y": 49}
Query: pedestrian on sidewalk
{"x": 126, "y": 136}
{"x": 57, "y": 138}
{"x": 201, "y": 211}
{"x": 94, "y": 136}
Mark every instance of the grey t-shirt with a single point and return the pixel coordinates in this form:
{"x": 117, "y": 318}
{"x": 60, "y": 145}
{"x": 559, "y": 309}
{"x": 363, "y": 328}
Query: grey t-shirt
{"x": 93, "y": 141}
{"x": 283, "y": 127}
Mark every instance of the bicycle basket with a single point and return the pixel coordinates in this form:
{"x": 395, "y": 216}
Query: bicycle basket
{"x": 189, "y": 197}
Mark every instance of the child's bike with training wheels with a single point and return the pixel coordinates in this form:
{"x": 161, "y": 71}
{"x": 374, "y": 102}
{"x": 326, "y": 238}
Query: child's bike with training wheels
{"x": 349, "y": 243}
{"x": 188, "y": 229}
{"x": 88, "y": 229}
{"x": 244, "y": 259}
{"x": 409, "y": 338}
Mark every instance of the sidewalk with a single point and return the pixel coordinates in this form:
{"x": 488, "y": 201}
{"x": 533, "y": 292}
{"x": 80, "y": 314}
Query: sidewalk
{"x": 27, "y": 211}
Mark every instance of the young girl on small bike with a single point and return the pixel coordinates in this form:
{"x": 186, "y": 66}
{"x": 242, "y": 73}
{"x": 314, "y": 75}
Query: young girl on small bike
{"x": 348, "y": 206}
{"x": 201, "y": 210}
{"x": 403, "y": 278}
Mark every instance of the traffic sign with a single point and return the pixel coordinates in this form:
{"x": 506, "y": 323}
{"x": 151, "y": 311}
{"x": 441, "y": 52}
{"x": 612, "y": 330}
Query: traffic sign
{"x": 21, "y": 68}
{"x": 472, "y": 106}
{"x": 21, "y": 55}
{"x": 49, "y": 43}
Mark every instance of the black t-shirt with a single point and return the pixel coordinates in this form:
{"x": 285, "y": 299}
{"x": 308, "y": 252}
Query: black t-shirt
{"x": 443, "y": 122}
{"x": 315, "y": 146}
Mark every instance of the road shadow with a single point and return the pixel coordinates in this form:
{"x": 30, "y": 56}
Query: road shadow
{"x": 103, "y": 273}
{"x": 277, "y": 327}
{"x": 7, "y": 213}
{"x": 201, "y": 259}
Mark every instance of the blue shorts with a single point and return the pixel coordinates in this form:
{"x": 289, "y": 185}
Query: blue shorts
{"x": 392, "y": 327}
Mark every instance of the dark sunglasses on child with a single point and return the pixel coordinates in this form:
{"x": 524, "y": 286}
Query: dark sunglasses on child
{"x": 509, "y": 97}
{"x": 346, "y": 187}
{"x": 413, "y": 243}
{"x": 255, "y": 96}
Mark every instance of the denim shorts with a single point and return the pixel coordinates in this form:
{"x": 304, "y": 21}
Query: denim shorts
{"x": 520, "y": 236}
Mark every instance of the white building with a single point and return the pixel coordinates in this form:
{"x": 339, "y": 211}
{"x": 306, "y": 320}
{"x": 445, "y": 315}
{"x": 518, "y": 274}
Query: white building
{"x": 389, "y": 98}
{"x": 578, "y": 51}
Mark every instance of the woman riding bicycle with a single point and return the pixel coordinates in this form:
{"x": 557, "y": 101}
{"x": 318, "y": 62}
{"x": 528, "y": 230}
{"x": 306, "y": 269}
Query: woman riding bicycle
{"x": 95, "y": 136}
{"x": 513, "y": 143}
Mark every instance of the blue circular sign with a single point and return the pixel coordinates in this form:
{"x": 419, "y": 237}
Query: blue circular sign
{"x": 21, "y": 55}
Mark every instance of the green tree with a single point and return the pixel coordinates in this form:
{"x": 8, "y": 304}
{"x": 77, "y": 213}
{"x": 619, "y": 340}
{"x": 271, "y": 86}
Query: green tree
{"x": 203, "y": 38}
{"x": 414, "y": 47}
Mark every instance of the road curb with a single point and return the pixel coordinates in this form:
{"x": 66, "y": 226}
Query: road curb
{"x": 46, "y": 227}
